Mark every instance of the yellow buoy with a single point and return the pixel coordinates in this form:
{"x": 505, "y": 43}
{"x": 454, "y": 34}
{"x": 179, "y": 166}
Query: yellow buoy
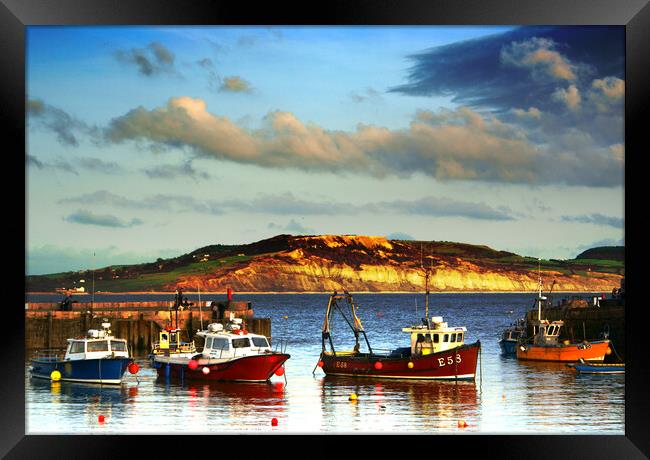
{"x": 353, "y": 397}
{"x": 410, "y": 364}
{"x": 566, "y": 342}
{"x": 609, "y": 351}
{"x": 55, "y": 375}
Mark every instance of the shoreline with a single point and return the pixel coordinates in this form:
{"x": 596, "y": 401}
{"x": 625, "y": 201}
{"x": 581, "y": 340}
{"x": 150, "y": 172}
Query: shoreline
{"x": 171, "y": 293}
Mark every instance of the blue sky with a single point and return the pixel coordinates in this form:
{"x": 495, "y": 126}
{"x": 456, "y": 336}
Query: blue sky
{"x": 148, "y": 142}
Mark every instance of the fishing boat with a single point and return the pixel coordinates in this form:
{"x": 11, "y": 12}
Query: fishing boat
{"x": 595, "y": 368}
{"x": 230, "y": 353}
{"x": 511, "y": 337}
{"x": 436, "y": 351}
{"x": 96, "y": 358}
{"x": 546, "y": 346}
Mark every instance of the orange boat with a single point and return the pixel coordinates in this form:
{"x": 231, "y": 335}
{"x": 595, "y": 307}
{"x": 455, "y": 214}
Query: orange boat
{"x": 546, "y": 346}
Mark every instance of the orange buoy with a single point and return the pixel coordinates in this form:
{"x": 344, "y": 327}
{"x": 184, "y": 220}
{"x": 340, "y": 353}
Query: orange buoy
{"x": 133, "y": 368}
{"x": 609, "y": 351}
{"x": 378, "y": 365}
{"x": 321, "y": 363}
{"x": 410, "y": 365}
{"x": 462, "y": 424}
{"x": 280, "y": 371}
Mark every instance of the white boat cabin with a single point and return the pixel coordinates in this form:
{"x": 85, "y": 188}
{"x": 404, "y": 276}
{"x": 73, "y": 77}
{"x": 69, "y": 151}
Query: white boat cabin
{"x": 435, "y": 338}
{"x": 233, "y": 342}
{"x": 547, "y": 333}
{"x": 98, "y": 344}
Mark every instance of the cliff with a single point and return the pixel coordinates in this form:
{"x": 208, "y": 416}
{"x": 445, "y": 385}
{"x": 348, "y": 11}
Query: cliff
{"x": 288, "y": 263}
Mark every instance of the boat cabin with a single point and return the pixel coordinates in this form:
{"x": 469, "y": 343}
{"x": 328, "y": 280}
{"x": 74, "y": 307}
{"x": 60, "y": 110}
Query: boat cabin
{"x": 436, "y": 337}
{"x": 547, "y": 333}
{"x": 97, "y": 344}
{"x": 232, "y": 342}
{"x": 511, "y": 335}
{"x": 169, "y": 342}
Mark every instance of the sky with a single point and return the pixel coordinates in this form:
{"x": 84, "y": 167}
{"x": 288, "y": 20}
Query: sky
{"x": 148, "y": 142}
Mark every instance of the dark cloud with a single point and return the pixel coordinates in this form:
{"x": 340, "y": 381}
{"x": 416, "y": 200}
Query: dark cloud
{"x": 57, "y": 164}
{"x": 235, "y": 84}
{"x": 288, "y": 204}
{"x": 103, "y": 220}
{"x": 368, "y": 95}
{"x": 99, "y": 165}
{"x": 399, "y": 236}
{"x": 476, "y": 73}
{"x": 63, "y": 124}
{"x": 175, "y": 171}
{"x": 596, "y": 219}
{"x": 293, "y": 227}
{"x": 152, "y": 60}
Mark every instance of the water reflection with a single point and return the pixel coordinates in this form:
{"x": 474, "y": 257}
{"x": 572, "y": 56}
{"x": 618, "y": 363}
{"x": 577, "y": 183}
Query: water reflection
{"x": 402, "y": 405}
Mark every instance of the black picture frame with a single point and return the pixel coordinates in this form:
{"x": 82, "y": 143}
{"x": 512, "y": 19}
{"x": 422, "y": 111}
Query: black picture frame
{"x": 15, "y": 15}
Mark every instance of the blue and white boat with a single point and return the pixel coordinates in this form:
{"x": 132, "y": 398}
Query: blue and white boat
{"x": 97, "y": 358}
{"x": 511, "y": 337}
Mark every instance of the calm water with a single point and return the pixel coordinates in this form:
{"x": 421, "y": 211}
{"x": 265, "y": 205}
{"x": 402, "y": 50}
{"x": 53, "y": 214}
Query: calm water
{"x": 509, "y": 397}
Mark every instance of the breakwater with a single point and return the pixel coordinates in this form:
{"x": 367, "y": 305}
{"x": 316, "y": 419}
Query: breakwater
{"x": 48, "y": 326}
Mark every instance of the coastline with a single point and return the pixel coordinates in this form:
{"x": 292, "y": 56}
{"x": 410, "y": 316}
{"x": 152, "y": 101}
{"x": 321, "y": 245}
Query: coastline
{"x": 303, "y": 292}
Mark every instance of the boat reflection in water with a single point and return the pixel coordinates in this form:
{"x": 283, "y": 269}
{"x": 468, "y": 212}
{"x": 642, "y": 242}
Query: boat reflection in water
{"x": 391, "y": 405}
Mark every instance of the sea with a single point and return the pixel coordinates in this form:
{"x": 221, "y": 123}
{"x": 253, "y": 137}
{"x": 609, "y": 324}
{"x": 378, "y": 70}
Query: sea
{"x": 507, "y": 397}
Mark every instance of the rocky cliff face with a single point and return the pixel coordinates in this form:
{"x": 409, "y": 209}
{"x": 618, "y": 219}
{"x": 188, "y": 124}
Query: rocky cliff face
{"x": 364, "y": 263}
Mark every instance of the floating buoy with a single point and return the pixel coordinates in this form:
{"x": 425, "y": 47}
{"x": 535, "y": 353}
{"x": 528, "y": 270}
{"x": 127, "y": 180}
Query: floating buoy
{"x": 193, "y": 364}
{"x": 353, "y": 397}
{"x": 244, "y": 332}
{"x": 609, "y": 351}
{"x": 274, "y": 421}
{"x": 205, "y": 370}
{"x": 55, "y": 375}
{"x": 100, "y": 419}
{"x": 379, "y": 314}
{"x": 321, "y": 363}
{"x": 280, "y": 371}
{"x": 133, "y": 368}
{"x": 285, "y": 317}
{"x": 378, "y": 365}
{"x": 462, "y": 424}
{"x": 410, "y": 365}
{"x": 503, "y": 396}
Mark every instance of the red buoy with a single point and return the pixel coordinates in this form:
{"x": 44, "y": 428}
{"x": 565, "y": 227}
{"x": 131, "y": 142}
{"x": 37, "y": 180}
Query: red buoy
{"x": 378, "y": 365}
{"x": 274, "y": 421}
{"x": 100, "y": 419}
{"x": 321, "y": 363}
{"x": 280, "y": 371}
{"x": 133, "y": 368}
{"x": 193, "y": 364}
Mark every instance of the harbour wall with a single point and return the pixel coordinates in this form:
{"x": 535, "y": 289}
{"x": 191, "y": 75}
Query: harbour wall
{"x": 49, "y": 327}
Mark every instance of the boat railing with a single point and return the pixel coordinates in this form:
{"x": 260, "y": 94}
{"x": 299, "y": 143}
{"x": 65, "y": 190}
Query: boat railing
{"x": 51, "y": 354}
{"x": 279, "y": 345}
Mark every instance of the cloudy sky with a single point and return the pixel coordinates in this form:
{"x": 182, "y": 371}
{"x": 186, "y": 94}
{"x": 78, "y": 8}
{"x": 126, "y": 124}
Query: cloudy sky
{"x": 147, "y": 142}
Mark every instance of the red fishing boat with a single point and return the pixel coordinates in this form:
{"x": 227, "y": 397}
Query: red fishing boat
{"x": 229, "y": 354}
{"x": 436, "y": 351}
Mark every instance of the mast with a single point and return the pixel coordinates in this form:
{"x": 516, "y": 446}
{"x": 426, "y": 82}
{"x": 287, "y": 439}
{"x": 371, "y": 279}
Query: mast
{"x": 539, "y": 295}
{"x": 92, "y": 300}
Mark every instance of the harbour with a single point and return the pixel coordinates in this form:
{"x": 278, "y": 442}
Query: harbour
{"x": 502, "y": 398}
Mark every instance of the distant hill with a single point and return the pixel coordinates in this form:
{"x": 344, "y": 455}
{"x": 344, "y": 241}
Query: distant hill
{"x": 323, "y": 263}
{"x": 604, "y": 253}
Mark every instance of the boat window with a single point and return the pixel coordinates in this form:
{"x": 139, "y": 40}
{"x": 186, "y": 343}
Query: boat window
{"x": 459, "y": 337}
{"x": 446, "y": 338}
{"x": 118, "y": 345}
{"x": 241, "y": 343}
{"x": 220, "y": 343}
{"x": 436, "y": 338}
{"x": 98, "y": 346}
{"x": 208, "y": 342}
{"x": 260, "y": 342}
{"x": 453, "y": 337}
{"x": 77, "y": 347}
{"x": 551, "y": 330}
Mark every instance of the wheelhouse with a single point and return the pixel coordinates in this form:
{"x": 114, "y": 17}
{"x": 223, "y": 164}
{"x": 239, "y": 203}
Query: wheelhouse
{"x": 427, "y": 340}
{"x": 547, "y": 333}
{"x": 233, "y": 343}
